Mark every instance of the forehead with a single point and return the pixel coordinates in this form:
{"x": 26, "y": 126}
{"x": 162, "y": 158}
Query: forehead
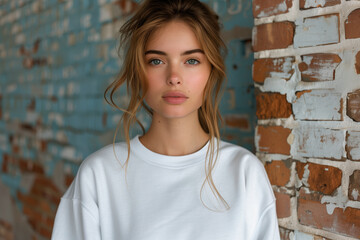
{"x": 175, "y": 35}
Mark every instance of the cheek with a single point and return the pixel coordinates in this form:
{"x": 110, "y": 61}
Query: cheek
{"x": 199, "y": 81}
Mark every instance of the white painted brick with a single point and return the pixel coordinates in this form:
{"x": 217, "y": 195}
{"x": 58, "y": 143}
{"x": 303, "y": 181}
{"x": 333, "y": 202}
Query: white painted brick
{"x": 316, "y": 31}
{"x": 319, "y": 142}
{"x": 320, "y": 104}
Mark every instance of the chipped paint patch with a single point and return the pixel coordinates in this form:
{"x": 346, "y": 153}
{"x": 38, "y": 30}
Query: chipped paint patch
{"x": 320, "y": 104}
{"x": 319, "y": 67}
{"x": 319, "y": 142}
{"x": 332, "y": 202}
{"x": 316, "y": 31}
{"x": 314, "y": 3}
{"x": 273, "y": 68}
{"x": 355, "y": 194}
{"x": 281, "y": 8}
{"x": 303, "y": 236}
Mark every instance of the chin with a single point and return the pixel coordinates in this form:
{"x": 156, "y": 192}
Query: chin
{"x": 178, "y": 114}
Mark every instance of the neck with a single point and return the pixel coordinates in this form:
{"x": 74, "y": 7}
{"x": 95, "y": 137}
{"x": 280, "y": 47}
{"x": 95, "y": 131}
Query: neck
{"x": 174, "y": 137}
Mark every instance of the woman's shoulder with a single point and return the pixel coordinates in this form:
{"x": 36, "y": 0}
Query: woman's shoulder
{"x": 237, "y": 153}
{"x": 96, "y": 167}
{"x": 109, "y": 154}
{"x": 243, "y": 161}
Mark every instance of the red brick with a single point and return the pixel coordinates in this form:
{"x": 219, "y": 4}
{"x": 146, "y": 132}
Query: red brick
{"x": 312, "y": 213}
{"x": 352, "y": 23}
{"x": 282, "y": 205}
{"x": 263, "y": 8}
{"x": 45, "y": 232}
{"x": 322, "y": 178}
{"x": 278, "y": 172}
{"x": 24, "y": 165}
{"x": 43, "y": 145}
{"x": 44, "y": 188}
{"x": 5, "y": 163}
{"x": 27, "y": 165}
{"x": 354, "y": 186}
{"x": 357, "y": 65}
{"x": 34, "y": 202}
{"x": 15, "y": 149}
{"x": 273, "y": 36}
{"x": 273, "y": 67}
{"x": 40, "y": 204}
{"x": 272, "y": 105}
{"x": 353, "y": 105}
{"x": 273, "y": 139}
{"x": 319, "y": 67}
{"x": 300, "y": 168}
{"x": 68, "y": 179}
{"x": 238, "y": 121}
{"x": 306, "y": 4}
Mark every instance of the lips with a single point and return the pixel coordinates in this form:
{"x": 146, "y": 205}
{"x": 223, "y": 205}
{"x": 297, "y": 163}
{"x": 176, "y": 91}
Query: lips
{"x": 174, "y": 97}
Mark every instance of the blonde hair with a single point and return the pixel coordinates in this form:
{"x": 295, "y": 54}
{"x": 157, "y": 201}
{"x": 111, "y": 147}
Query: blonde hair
{"x": 134, "y": 34}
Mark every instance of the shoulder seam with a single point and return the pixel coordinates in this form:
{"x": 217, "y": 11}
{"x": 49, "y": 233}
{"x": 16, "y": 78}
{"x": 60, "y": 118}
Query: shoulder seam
{"x": 82, "y": 205}
{"x": 266, "y": 209}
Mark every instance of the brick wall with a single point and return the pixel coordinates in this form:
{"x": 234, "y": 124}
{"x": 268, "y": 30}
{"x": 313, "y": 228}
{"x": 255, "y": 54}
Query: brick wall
{"x": 56, "y": 58}
{"x": 307, "y": 78}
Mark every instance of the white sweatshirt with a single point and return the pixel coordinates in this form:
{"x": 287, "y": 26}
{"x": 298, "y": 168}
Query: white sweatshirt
{"x": 161, "y": 200}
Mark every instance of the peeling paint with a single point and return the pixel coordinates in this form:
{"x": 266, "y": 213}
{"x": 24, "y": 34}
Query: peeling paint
{"x": 305, "y": 176}
{"x": 337, "y": 201}
{"x": 355, "y": 194}
{"x": 316, "y": 31}
{"x": 290, "y": 139}
{"x": 319, "y": 142}
{"x": 302, "y": 236}
{"x": 281, "y": 8}
{"x": 314, "y": 3}
{"x": 319, "y": 67}
{"x": 322, "y": 104}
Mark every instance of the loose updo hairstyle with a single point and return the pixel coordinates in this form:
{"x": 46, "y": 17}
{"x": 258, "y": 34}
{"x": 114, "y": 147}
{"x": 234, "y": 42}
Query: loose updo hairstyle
{"x": 134, "y": 34}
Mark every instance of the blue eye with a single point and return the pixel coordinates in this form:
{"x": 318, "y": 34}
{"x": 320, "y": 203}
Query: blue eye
{"x": 192, "y": 61}
{"x": 155, "y": 61}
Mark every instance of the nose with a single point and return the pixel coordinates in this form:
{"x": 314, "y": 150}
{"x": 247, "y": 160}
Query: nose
{"x": 174, "y": 78}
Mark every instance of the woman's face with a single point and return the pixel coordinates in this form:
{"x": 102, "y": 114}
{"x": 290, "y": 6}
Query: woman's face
{"x": 177, "y": 71}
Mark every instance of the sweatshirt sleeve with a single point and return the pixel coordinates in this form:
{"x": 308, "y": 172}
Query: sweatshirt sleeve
{"x": 77, "y": 216}
{"x": 75, "y": 221}
{"x": 267, "y": 227}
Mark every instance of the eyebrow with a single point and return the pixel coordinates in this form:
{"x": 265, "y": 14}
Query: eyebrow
{"x": 182, "y": 54}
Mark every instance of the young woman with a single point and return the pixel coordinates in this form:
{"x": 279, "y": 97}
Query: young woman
{"x": 178, "y": 180}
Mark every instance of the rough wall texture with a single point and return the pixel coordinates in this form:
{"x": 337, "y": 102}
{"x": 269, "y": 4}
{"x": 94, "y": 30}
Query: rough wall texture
{"x": 307, "y": 85}
{"x": 56, "y": 58}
